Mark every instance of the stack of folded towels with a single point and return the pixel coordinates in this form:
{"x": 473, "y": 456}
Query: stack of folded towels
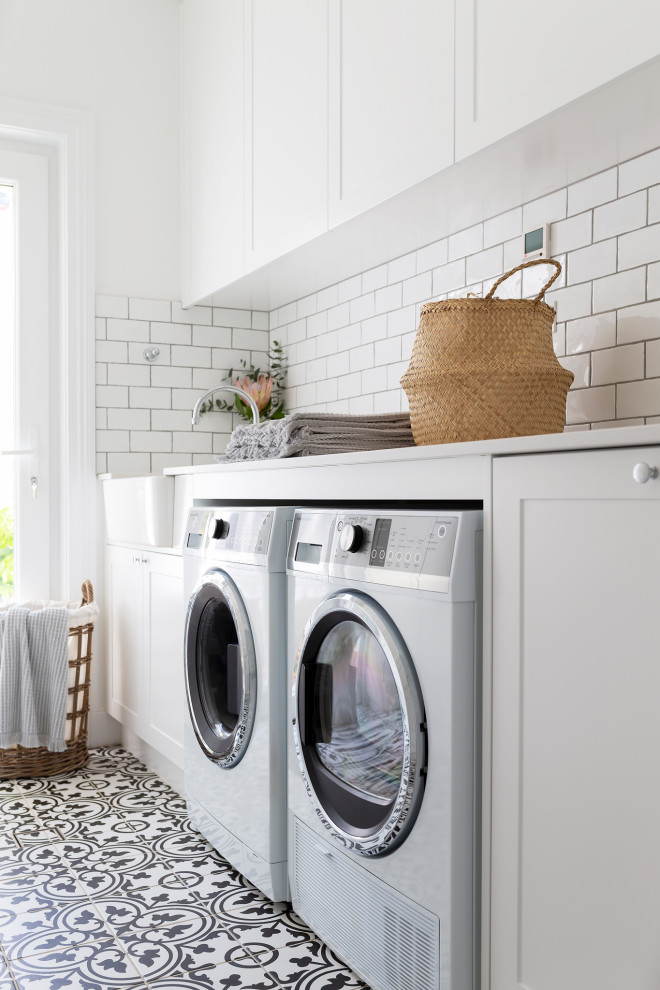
{"x": 305, "y": 434}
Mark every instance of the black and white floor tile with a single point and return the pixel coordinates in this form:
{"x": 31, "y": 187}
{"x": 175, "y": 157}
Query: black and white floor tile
{"x": 106, "y": 885}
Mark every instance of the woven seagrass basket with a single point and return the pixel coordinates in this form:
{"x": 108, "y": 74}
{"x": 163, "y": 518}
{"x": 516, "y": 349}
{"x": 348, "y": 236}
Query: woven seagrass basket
{"x": 18, "y": 761}
{"x": 486, "y": 368}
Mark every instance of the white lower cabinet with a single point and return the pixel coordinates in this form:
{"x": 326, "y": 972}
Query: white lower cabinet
{"x": 145, "y": 648}
{"x": 575, "y": 790}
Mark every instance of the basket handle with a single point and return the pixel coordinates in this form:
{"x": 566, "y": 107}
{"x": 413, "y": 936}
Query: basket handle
{"x": 87, "y": 593}
{"x": 528, "y": 264}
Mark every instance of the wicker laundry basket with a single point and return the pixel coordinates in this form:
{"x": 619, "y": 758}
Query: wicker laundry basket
{"x": 17, "y": 761}
{"x": 486, "y": 368}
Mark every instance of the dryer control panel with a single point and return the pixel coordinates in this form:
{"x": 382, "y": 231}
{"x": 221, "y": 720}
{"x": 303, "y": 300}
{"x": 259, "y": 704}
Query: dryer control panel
{"x": 406, "y": 550}
{"x": 241, "y": 535}
{"x": 402, "y": 549}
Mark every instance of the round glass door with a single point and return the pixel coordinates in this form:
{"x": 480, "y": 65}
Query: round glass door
{"x": 221, "y": 679}
{"x": 358, "y": 722}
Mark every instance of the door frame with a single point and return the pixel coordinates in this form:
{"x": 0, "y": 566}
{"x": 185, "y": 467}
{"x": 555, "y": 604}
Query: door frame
{"x": 66, "y": 137}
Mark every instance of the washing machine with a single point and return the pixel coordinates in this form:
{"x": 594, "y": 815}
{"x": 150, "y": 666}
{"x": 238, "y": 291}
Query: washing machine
{"x": 235, "y": 673}
{"x": 384, "y": 694}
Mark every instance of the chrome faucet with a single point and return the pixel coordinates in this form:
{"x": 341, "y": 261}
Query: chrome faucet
{"x": 245, "y": 396}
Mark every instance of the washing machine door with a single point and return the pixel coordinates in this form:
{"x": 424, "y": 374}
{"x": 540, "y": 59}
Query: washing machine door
{"x": 220, "y": 665}
{"x": 359, "y": 725}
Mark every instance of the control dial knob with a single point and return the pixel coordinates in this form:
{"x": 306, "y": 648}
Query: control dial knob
{"x": 220, "y": 529}
{"x": 351, "y": 538}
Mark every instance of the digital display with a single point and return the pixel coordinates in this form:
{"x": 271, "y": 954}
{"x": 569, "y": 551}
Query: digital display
{"x": 379, "y": 543}
{"x": 194, "y": 541}
{"x": 308, "y": 553}
{"x": 534, "y": 240}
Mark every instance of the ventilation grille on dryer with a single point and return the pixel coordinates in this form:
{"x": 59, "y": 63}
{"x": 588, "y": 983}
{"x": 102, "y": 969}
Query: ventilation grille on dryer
{"x": 388, "y": 940}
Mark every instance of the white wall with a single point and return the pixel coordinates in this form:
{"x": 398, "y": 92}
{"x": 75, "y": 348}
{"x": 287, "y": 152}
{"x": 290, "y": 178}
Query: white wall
{"x": 120, "y": 60}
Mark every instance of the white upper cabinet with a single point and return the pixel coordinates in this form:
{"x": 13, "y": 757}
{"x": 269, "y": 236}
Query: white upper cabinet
{"x": 213, "y": 154}
{"x": 517, "y": 61}
{"x": 286, "y": 148}
{"x": 391, "y": 110}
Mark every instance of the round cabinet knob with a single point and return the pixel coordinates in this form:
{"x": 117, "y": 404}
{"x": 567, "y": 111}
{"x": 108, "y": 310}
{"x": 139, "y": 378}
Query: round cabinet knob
{"x": 220, "y": 529}
{"x": 351, "y": 538}
{"x": 642, "y": 473}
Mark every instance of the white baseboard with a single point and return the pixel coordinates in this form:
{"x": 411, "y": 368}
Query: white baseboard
{"x": 171, "y": 774}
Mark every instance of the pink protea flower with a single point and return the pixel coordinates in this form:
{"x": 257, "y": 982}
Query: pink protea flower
{"x": 260, "y": 390}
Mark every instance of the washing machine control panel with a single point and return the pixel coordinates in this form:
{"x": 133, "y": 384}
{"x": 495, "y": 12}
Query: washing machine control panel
{"x": 409, "y": 550}
{"x": 240, "y": 535}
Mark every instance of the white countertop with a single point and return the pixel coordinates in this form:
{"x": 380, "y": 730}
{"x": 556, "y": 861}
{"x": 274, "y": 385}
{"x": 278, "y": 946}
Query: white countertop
{"x": 626, "y": 436}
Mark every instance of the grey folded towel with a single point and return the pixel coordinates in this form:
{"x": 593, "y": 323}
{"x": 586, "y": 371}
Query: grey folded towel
{"x": 306, "y": 434}
{"x": 33, "y": 677}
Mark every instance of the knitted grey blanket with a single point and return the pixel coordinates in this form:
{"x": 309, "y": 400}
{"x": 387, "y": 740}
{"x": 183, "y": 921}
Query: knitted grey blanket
{"x": 305, "y": 434}
{"x": 33, "y": 677}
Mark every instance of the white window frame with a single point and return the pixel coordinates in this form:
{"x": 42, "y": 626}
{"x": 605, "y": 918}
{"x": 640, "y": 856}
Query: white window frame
{"x": 66, "y": 136}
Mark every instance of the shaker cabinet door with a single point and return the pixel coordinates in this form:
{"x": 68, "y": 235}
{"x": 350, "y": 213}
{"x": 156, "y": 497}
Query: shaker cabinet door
{"x": 212, "y": 146}
{"x": 575, "y": 857}
{"x": 286, "y": 82}
{"x": 164, "y": 655}
{"x": 517, "y": 61}
{"x": 391, "y": 99}
{"x": 125, "y": 626}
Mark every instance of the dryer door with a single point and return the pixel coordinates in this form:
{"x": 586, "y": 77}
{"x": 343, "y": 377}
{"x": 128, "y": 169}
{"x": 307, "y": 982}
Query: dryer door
{"x": 221, "y": 672}
{"x": 358, "y": 724}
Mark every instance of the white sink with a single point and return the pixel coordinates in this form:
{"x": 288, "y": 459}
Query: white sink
{"x": 139, "y": 510}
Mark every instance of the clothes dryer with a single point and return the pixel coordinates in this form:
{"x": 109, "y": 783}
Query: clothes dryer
{"x": 384, "y": 681}
{"x": 235, "y": 672}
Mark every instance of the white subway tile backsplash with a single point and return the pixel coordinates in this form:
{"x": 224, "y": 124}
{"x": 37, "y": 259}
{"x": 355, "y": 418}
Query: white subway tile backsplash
{"x": 151, "y": 440}
{"x": 388, "y": 298}
{"x": 253, "y": 340}
{"x": 402, "y": 268}
{"x": 432, "y": 256}
{"x": 589, "y": 405}
{"x": 638, "y": 398}
{"x": 592, "y": 262}
{"x": 449, "y": 277}
{"x": 127, "y": 330}
{"x": 465, "y": 242}
{"x": 239, "y": 318}
{"x": 620, "y": 216}
{"x": 361, "y": 357}
{"x": 149, "y": 309}
{"x": 617, "y": 364}
{"x": 638, "y": 323}
{"x": 169, "y": 377}
{"x": 622, "y": 289}
{"x": 485, "y": 264}
{"x": 112, "y": 306}
{"x": 374, "y": 328}
{"x": 568, "y": 235}
{"x": 597, "y": 189}
{"x": 591, "y": 333}
{"x": 580, "y": 365}
{"x": 547, "y": 209}
{"x": 639, "y": 172}
{"x": 150, "y": 398}
{"x": 129, "y": 419}
{"x": 639, "y": 247}
{"x": 363, "y": 307}
{"x": 418, "y": 289}
{"x": 654, "y": 205}
{"x": 129, "y": 374}
{"x": 348, "y": 344}
{"x": 374, "y": 279}
{"x": 653, "y": 281}
{"x": 387, "y": 351}
{"x": 349, "y": 289}
{"x": 503, "y": 227}
{"x": 209, "y": 337}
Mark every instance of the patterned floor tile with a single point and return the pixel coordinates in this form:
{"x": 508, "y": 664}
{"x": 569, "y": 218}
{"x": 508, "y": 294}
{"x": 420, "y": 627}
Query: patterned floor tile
{"x": 106, "y": 885}
{"x": 308, "y": 966}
